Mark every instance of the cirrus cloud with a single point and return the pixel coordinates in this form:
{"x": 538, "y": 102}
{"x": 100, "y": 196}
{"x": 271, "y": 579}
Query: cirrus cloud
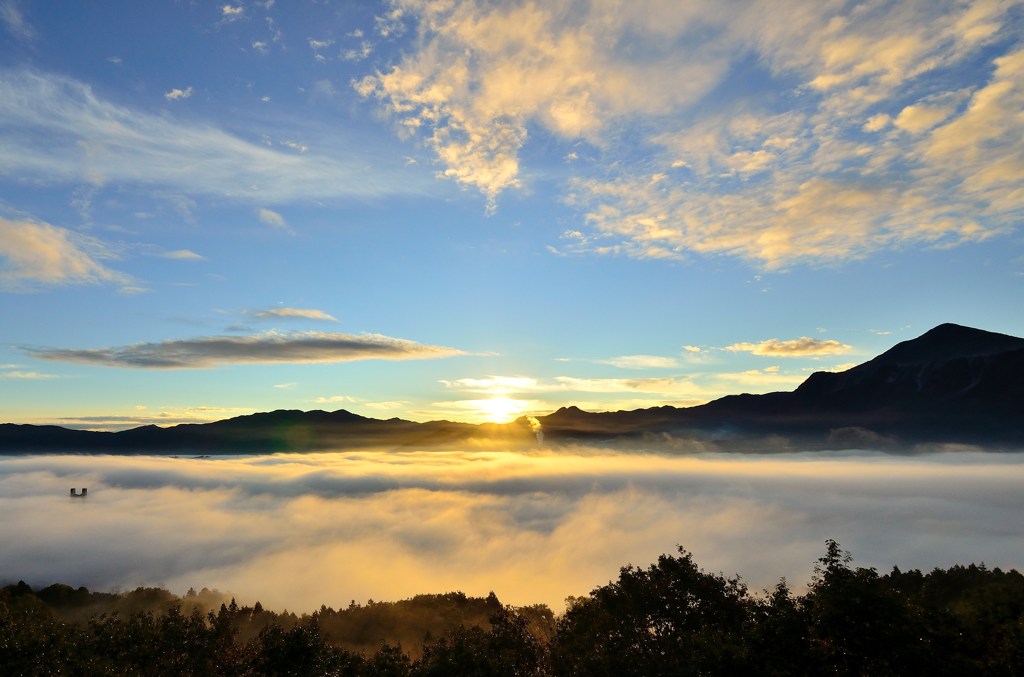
{"x": 97, "y": 142}
{"x": 267, "y": 348}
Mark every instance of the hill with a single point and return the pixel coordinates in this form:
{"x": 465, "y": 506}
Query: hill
{"x": 953, "y": 384}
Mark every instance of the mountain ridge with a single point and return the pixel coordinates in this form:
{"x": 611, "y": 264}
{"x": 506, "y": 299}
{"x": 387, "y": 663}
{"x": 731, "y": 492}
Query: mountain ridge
{"x": 952, "y": 384}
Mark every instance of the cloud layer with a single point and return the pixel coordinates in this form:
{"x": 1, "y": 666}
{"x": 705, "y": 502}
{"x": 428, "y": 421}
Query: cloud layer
{"x": 271, "y": 347}
{"x": 871, "y": 127}
{"x": 299, "y": 531}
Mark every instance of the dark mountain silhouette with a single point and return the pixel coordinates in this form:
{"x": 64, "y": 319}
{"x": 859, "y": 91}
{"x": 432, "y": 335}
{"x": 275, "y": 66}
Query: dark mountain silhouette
{"x": 953, "y": 384}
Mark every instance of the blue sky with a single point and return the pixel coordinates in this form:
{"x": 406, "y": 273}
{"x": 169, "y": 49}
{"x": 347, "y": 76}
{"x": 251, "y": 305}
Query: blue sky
{"x": 477, "y": 210}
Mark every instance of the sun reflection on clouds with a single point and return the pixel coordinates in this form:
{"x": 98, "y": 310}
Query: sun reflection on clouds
{"x": 532, "y": 527}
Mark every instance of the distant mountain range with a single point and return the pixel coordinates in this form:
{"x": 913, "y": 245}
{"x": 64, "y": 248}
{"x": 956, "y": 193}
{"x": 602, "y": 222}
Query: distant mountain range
{"x": 952, "y": 385}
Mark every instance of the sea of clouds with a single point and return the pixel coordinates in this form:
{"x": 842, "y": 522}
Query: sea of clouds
{"x": 298, "y": 531}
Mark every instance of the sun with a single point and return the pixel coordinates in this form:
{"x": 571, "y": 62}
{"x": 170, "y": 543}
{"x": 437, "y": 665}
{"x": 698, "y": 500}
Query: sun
{"x": 500, "y": 409}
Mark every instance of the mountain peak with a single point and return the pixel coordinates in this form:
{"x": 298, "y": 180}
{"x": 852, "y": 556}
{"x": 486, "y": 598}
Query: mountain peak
{"x": 949, "y": 341}
{"x": 565, "y": 413}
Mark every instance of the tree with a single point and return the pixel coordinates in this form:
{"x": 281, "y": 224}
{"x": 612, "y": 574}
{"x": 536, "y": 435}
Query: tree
{"x": 671, "y": 619}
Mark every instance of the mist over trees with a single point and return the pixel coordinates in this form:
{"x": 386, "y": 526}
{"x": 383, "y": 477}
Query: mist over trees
{"x": 671, "y": 618}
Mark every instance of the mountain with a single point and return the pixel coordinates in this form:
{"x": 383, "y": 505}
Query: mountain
{"x": 269, "y": 432}
{"x": 953, "y": 384}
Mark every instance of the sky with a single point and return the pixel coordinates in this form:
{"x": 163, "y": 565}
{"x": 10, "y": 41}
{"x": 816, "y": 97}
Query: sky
{"x": 300, "y": 530}
{"x": 478, "y": 210}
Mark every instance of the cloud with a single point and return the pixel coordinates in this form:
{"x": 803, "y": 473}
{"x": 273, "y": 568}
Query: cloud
{"x": 303, "y": 313}
{"x": 663, "y": 386}
{"x": 96, "y": 142}
{"x": 41, "y": 254}
{"x": 364, "y": 51}
{"x": 14, "y": 21}
{"x": 232, "y": 12}
{"x": 271, "y": 347}
{"x": 182, "y": 255}
{"x": 165, "y": 416}
{"x": 332, "y": 399}
{"x": 387, "y": 405}
{"x": 801, "y": 347}
{"x": 484, "y": 72}
{"x": 642, "y": 362}
{"x": 533, "y": 528}
{"x": 272, "y": 218}
{"x": 845, "y": 152}
{"x": 176, "y": 94}
{"x": 687, "y": 391}
{"x": 26, "y": 375}
{"x": 762, "y": 379}
{"x": 503, "y": 385}
{"x": 497, "y": 384}
{"x": 318, "y": 46}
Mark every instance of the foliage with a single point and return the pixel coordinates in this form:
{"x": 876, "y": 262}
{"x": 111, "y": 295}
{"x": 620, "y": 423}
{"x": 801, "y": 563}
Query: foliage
{"x": 671, "y": 618}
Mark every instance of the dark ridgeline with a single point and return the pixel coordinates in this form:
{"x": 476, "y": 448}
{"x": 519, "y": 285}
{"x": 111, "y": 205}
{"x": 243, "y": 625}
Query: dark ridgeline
{"x": 953, "y": 384}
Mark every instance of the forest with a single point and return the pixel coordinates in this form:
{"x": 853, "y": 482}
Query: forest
{"x": 671, "y": 618}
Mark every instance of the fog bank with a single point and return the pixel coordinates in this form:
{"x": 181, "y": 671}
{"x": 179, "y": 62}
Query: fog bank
{"x": 298, "y": 531}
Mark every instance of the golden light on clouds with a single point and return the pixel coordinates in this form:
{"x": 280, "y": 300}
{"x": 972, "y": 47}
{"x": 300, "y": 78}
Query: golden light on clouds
{"x": 531, "y": 527}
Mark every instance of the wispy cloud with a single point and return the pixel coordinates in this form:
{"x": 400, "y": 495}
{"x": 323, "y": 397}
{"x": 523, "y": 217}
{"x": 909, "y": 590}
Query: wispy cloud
{"x": 272, "y": 347}
{"x": 14, "y": 21}
{"x": 26, "y": 375}
{"x": 334, "y": 399}
{"x": 301, "y": 313}
{"x": 641, "y": 362}
{"x": 497, "y": 384}
{"x": 762, "y": 378}
{"x": 182, "y": 255}
{"x": 665, "y": 386}
{"x": 41, "y": 254}
{"x": 164, "y": 416}
{"x": 504, "y": 385}
{"x": 801, "y": 347}
{"x": 96, "y": 142}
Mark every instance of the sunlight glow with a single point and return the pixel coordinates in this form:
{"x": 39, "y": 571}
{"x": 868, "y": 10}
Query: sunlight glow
{"x": 500, "y": 409}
